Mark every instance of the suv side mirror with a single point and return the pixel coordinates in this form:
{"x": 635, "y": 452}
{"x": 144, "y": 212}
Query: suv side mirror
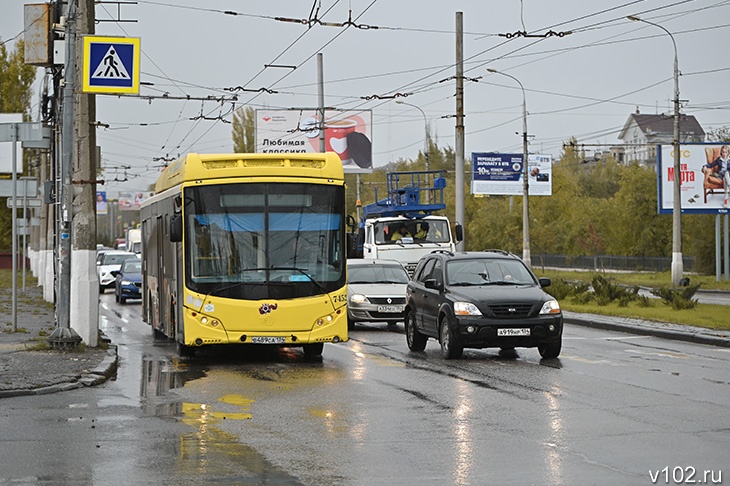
{"x": 432, "y": 283}
{"x": 545, "y": 282}
{"x": 459, "y": 232}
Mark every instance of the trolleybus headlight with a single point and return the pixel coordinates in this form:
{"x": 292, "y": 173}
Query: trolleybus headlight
{"x": 213, "y": 322}
{"x": 325, "y": 320}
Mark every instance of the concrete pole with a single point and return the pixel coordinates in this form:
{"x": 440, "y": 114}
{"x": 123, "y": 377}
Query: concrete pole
{"x": 726, "y": 249}
{"x": 718, "y": 246}
{"x": 677, "y": 263}
{"x": 62, "y": 335}
{"x": 459, "y": 160}
{"x": 84, "y": 279}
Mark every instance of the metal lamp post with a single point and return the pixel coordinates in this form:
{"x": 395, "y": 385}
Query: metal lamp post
{"x": 427, "y": 142}
{"x": 677, "y": 264}
{"x": 525, "y": 176}
{"x": 427, "y": 146}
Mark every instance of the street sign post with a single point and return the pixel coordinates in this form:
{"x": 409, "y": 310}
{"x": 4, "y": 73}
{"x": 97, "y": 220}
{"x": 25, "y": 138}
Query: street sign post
{"x": 111, "y": 65}
{"x": 28, "y": 202}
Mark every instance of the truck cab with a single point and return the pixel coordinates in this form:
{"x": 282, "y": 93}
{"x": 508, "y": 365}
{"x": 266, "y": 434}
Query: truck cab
{"x": 403, "y": 226}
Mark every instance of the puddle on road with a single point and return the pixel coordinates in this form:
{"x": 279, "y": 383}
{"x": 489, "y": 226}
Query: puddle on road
{"x": 207, "y": 451}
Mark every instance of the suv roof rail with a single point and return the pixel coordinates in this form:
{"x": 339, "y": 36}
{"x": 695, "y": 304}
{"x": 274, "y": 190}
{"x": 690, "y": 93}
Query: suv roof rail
{"x": 503, "y": 252}
{"x": 446, "y": 252}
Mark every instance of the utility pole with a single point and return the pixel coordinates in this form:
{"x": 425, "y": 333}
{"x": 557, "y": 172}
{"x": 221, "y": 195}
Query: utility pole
{"x": 320, "y": 109}
{"x": 63, "y": 335}
{"x": 459, "y": 162}
{"x": 84, "y": 279}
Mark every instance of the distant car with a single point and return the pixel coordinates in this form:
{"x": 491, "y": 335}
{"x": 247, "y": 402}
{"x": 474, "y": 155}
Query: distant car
{"x": 128, "y": 281}
{"x": 480, "y": 300}
{"x": 109, "y": 262}
{"x": 376, "y": 291}
{"x": 100, "y": 251}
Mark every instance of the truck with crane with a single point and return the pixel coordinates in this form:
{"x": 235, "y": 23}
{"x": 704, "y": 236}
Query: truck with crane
{"x": 403, "y": 226}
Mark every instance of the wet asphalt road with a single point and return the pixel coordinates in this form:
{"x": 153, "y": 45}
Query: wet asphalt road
{"x": 614, "y": 409}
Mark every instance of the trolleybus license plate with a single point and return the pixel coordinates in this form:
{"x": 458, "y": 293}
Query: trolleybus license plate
{"x": 268, "y": 339}
{"x": 521, "y": 331}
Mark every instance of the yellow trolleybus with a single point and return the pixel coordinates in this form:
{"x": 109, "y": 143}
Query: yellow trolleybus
{"x": 247, "y": 249}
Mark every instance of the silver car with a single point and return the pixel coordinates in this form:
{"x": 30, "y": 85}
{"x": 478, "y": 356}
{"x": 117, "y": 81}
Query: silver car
{"x": 376, "y": 291}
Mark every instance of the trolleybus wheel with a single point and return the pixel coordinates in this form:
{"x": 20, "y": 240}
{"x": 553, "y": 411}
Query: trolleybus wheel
{"x": 185, "y": 351}
{"x": 313, "y": 350}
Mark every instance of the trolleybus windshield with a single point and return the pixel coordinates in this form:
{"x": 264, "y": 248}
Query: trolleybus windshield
{"x": 264, "y": 240}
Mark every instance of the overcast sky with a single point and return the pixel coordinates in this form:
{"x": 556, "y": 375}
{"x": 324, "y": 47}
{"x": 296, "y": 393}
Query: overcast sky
{"x": 583, "y": 85}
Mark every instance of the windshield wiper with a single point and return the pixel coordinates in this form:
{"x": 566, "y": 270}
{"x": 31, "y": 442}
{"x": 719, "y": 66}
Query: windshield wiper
{"x": 311, "y": 279}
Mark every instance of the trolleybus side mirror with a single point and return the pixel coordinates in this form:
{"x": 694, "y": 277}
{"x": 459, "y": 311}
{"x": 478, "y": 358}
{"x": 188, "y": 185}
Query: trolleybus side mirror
{"x": 176, "y": 228}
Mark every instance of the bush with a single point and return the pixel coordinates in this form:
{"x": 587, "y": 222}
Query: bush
{"x": 606, "y": 291}
{"x": 679, "y": 298}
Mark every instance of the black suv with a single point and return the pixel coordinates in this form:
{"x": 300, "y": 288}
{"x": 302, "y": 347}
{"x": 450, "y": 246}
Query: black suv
{"x": 480, "y": 300}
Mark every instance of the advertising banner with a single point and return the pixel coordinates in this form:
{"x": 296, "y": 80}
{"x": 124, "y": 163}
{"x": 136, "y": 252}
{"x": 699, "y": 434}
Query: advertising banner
{"x": 101, "y": 207}
{"x": 702, "y": 175}
{"x": 498, "y": 174}
{"x": 131, "y": 201}
{"x": 348, "y": 133}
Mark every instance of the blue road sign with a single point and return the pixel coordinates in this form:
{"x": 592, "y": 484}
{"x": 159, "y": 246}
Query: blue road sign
{"x": 111, "y": 64}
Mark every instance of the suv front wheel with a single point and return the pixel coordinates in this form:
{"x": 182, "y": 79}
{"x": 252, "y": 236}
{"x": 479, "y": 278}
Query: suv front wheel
{"x": 416, "y": 341}
{"x": 449, "y": 349}
{"x": 550, "y": 350}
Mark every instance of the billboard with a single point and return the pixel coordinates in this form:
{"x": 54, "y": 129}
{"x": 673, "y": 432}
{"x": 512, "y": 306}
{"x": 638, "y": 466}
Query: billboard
{"x": 498, "y": 174}
{"x": 101, "y": 207}
{"x": 348, "y": 133}
{"x": 702, "y": 192}
{"x": 131, "y": 201}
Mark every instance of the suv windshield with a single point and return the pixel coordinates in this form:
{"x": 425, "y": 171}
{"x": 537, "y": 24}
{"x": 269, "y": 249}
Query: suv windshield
{"x": 485, "y": 271}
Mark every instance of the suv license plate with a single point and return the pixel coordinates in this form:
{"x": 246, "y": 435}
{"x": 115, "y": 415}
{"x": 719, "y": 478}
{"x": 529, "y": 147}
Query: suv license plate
{"x": 522, "y": 331}
{"x": 268, "y": 340}
{"x": 390, "y": 308}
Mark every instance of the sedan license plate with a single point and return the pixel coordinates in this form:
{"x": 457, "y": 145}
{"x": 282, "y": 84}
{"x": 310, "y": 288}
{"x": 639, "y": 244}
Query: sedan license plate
{"x": 268, "y": 340}
{"x": 520, "y": 331}
{"x": 390, "y": 308}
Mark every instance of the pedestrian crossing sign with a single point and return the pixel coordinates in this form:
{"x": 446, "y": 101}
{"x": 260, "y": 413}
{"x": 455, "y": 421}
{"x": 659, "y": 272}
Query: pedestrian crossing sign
{"x": 111, "y": 65}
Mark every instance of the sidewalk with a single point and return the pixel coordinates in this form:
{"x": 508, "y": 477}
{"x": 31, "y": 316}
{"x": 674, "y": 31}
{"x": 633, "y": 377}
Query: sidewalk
{"x": 24, "y": 371}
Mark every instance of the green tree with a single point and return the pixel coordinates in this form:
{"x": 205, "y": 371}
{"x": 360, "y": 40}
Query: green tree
{"x": 16, "y": 80}
{"x": 243, "y": 130}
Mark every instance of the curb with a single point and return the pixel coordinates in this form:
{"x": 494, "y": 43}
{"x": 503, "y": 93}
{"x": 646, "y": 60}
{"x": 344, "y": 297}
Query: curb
{"x": 105, "y": 370}
{"x": 677, "y": 335}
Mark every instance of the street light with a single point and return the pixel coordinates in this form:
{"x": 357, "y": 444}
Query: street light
{"x": 425, "y": 123}
{"x": 525, "y": 176}
{"x": 677, "y": 264}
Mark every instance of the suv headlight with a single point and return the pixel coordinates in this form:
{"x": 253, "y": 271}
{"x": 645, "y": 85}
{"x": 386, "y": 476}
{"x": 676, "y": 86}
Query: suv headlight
{"x": 359, "y": 299}
{"x": 550, "y": 307}
{"x": 466, "y": 309}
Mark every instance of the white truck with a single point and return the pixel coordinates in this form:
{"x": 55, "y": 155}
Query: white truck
{"x": 134, "y": 240}
{"x": 402, "y": 226}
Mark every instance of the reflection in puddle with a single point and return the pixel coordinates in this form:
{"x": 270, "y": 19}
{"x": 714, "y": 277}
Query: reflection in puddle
{"x": 206, "y": 452}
